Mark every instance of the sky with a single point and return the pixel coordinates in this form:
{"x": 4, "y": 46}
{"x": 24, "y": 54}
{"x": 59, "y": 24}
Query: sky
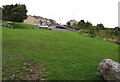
{"x": 94, "y": 11}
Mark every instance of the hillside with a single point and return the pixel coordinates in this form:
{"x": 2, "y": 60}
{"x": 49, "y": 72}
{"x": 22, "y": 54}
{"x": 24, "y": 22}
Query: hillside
{"x": 64, "y": 55}
{"x": 18, "y": 25}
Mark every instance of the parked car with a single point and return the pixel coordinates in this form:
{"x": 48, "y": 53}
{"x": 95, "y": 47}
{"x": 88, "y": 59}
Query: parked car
{"x": 62, "y": 27}
{"x": 45, "y": 28}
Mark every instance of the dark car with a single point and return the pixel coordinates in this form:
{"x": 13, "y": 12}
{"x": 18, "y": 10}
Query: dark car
{"x": 60, "y": 26}
{"x": 45, "y": 28}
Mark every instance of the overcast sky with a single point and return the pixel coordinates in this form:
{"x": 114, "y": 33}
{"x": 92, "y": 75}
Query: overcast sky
{"x": 95, "y": 11}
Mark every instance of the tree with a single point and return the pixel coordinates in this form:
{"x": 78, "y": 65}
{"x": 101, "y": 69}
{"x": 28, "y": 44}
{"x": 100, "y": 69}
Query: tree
{"x": 92, "y": 31}
{"x": 16, "y": 13}
{"x": 100, "y": 26}
{"x": 81, "y": 23}
{"x": 88, "y": 25}
{"x": 117, "y": 31}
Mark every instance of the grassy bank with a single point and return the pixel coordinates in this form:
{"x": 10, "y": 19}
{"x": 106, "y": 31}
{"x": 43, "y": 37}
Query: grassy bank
{"x": 17, "y": 25}
{"x": 64, "y": 55}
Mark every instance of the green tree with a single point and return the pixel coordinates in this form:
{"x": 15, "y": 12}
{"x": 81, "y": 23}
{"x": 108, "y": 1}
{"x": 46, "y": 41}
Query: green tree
{"x": 88, "y": 25}
{"x": 81, "y": 24}
{"x": 84, "y": 25}
{"x": 92, "y": 31}
{"x": 100, "y": 26}
{"x": 16, "y": 13}
{"x": 117, "y": 31}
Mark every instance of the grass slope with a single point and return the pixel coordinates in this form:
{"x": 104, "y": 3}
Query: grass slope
{"x": 19, "y": 25}
{"x": 65, "y": 55}
{"x": 23, "y": 26}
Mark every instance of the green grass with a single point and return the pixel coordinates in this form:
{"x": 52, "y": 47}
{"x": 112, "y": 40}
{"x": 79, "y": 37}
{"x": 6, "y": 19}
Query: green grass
{"x": 65, "y": 55}
{"x": 20, "y": 25}
{"x": 23, "y": 26}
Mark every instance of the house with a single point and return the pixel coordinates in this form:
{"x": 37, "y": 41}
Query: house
{"x": 72, "y": 22}
{"x": 40, "y": 21}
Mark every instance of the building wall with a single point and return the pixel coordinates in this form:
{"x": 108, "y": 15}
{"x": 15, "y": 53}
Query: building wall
{"x": 30, "y": 20}
{"x": 37, "y": 20}
{"x": 73, "y": 22}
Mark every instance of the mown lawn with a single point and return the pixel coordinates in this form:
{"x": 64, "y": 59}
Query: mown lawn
{"x": 64, "y": 55}
{"x": 18, "y": 25}
{"x": 23, "y": 26}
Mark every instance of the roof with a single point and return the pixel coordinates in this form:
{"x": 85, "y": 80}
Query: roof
{"x": 72, "y": 21}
